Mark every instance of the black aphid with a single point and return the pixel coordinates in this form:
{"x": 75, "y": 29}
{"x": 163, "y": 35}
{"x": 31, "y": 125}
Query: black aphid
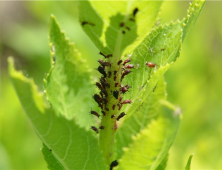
{"x": 116, "y": 94}
{"x": 120, "y": 116}
{"x": 89, "y": 23}
{"x": 95, "y": 113}
{"x": 119, "y": 62}
{"x": 135, "y": 11}
{"x": 95, "y": 129}
{"x": 113, "y": 164}
{"x": 102, "y": 71}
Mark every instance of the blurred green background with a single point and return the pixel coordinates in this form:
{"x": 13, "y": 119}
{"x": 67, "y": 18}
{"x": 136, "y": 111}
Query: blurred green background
{"x": 194, "y": 82}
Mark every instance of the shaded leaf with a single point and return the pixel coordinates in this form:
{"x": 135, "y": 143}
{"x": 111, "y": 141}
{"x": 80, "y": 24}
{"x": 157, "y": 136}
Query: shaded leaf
{"x": 72, "y": 146}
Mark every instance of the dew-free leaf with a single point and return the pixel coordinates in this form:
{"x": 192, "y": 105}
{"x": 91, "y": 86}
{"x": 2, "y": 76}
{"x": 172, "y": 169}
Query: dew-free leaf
{"x": 72, "y": 146}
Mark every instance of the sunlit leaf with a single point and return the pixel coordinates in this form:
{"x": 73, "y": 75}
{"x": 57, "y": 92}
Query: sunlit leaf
{"x": 152, "y": 144}
{"x": 68, "y": 84}
{"x": 73, "y": 147}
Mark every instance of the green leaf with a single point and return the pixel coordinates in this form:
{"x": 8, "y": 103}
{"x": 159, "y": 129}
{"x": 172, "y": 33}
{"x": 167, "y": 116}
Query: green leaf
{"x": 162, "y": 47}
{"x": 101, "y": 20}
{"x": 163, "y": 164}
{"x": 152, "y": 144}
{"x": 68, "y": 84}
{"x": 192, "y": 15}
{"x": 53, "y": 163}
{"x": 189, "y": 162}
{"x": 72, "y": 146}
{"x": 142, "y": 117}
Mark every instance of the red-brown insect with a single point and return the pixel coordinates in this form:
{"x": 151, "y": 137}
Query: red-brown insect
{"x": 151, "y": 65}
{"x": 115, "y": 72}
{"x": 126, "y": 102}
{"x": 107, "y": 109}
{"x": 116, "y": 84}
{"x": 112, "y": 116}
{"x": 99, "y": 85}
{"x": 126, "y": 61}
{"x": 106, "y": 56}
{"x": 89, "y": 23}
{"x": 101, "y": 127}
{"x": 97, "y": 98}
{"x": 120, "y": 116}
{"x": 95, "y": 113}
{"x": 109, "y": 74}
{"x": 129, "y": 66}
{"x": 95, "y": 129}
{"x": 103, "y": 63}
{"x": 122, "y": 24}
{"x": 125, "y": 73}
{"x": 114, "y": 107}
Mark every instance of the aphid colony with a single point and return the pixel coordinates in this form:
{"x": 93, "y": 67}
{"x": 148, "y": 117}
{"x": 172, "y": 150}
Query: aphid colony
{"x": 104, "y": 86}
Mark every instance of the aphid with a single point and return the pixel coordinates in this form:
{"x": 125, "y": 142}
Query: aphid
{"x": 125, "y": 73}
{"x": 104, "y": 113}
{"x": 129, "y": 66}
{"x": 113, "y": 164}
{"x": 105, "y": 100}
{"x": 112, "y": 116}
{"x": 85, "y": 22}
{"x": 102, "y": 71}
{"x": 128, "y": 28}
{"x": 135, "y": 11}
{"x": 109, "y": 74}
{"x": 127, "y": 86}
{"x": 126, "y": 102}
{"x": 114, "y": 107}
{"x": 107, "y": 109}
{"x": 116, "y": 84}
{"x": 95, "y": 129}
{"x": 151, "y": 65}
{"x": 101, "y": 127}
{"x": 119, "y": 62}
{"x": 103, "y": 63}
{"x": 115, "y": 72}
{"x": 120, "y": 99}
{"x": 106, "y": 56}
{"x": 116, "y": 94}
{"x": 132, "y": 19}
{"x": 101, "y": 94}
{"x": 104, "y": 83}
{"x": 123, "y": 89}
{"x": 126, "y": 61}
{"x": 154, "y": 88}
{"x": 95, "y": 113}
{"x": 97, "y": 98}
{"x": 123, "y": 32}
{"x": 163, "y": 49}
{"x": 50, "y": 150}
{"x": 104, "y": 92}
{"x": 120, "y": 116}
{"x": 120, "y": 106}
{"x": 121, "y": 24}
{"x": 99, "y": 85}
{"x": 114, "y": 78}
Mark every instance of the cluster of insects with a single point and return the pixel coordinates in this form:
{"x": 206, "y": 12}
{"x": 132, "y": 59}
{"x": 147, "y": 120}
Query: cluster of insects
{"x": 111, "y": 89}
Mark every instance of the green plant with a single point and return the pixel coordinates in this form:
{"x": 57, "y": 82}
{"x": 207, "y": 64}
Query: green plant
{"x": 136, "y": 123}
